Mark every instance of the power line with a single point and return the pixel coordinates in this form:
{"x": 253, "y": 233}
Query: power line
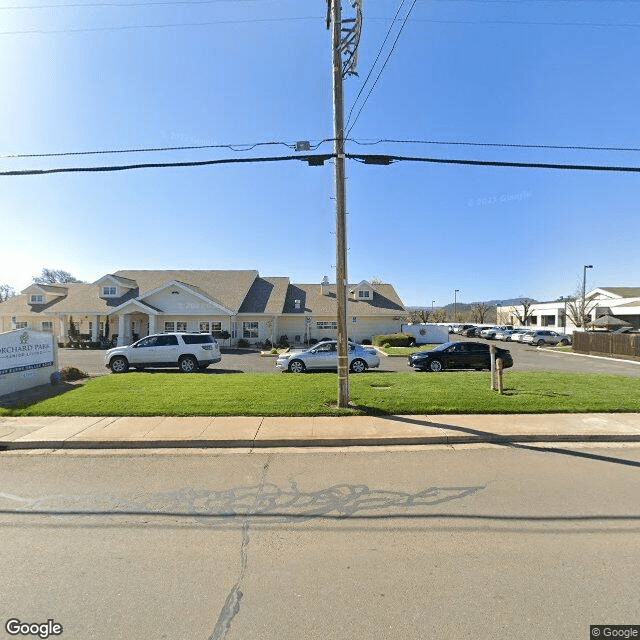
{"x": 387, "y": 159}
{"x": 232, "y": 147}
{"x": 313, "y": 160}
{"x": 154, "y": 26}
{"x": 320, "y": 159}
{"x": 413, "y": 4}
{"x": 493, "y": 144}
{"x": 364, "y": 84}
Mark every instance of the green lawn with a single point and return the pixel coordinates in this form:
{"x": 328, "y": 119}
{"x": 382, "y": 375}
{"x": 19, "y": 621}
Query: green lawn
{"x": 405, "y": 351}
{"x": 278, "y": 394}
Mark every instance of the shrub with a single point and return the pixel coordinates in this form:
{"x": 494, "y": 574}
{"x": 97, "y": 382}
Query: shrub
{"x": 274, "y": 351}
{"x": 394, "y": 340}
{"x": 283, "y": 342}
{"x": 72, "y": 373}
{"x": 313, "y": 341}
{"x": 242, "y": 343}
{"x": 366, "y": 341}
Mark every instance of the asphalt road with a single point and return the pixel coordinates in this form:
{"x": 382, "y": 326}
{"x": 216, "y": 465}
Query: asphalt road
{"x": 526, "y": 358}
{"x": 452, "y": 542}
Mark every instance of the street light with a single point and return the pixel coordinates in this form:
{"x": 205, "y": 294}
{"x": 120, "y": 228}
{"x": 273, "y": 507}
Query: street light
{"x": 455, "y": 304}
{"x": 584, "y": 292}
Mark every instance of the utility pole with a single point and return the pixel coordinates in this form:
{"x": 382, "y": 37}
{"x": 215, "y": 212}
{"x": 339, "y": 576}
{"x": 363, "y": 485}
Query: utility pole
{"x": 342, "y": 46}
{"x": 584, "y": 293}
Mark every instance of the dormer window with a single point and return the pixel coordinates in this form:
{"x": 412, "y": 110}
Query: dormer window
{"x": 36, "y": 298}
{"x": 364, "y": 294}
{"x": 108, "y": 291}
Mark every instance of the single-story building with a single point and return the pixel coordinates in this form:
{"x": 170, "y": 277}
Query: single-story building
{"x": 621, "y": 302}
{"x": 131, "y": 304}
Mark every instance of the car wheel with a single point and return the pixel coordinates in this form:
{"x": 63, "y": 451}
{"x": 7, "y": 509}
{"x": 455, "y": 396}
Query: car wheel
{"x": 436, "y": 366}
{"x": 540, "y": 343}
{"x": 188, "y": 364}
{"x": 358, "y": 366}
{"x": 564, "y": 343}
{"x": 119, "y": 364}
{"x": 297, "y": 366}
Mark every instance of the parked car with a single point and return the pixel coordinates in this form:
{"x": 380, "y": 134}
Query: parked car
{"x": 324, "y": 355}
{"x": 458, "y": 355}
{"x": 187, "y": 351}
{"x": 545, "y": 336}
{"x": 489, "y": 333}
{"x": 519, "y": 337}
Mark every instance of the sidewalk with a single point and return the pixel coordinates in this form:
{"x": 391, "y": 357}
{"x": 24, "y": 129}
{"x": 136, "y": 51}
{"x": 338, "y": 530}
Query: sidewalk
{"x": 260, "y": 432}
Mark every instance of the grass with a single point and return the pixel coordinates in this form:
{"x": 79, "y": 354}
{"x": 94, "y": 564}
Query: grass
{"x": 150, "y": 394}
{"x": 405, "y": 351}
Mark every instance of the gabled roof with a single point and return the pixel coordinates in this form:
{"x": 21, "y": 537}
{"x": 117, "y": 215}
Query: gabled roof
{"x": 229, "y": 288}
{"x": 619, "y": 292}
{"x": 385, "y": 300}
{"x": 57, "y": 289}
{"x": 123, "y": 282}
{"x": 267, "y": 295}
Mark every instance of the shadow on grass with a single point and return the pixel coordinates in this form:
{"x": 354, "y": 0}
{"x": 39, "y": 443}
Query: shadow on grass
{"x": 24, "y": 399}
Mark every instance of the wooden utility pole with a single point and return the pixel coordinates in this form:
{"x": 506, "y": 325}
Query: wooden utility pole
{"x": 341, "y": 225}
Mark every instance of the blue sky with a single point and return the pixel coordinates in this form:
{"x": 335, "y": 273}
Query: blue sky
{"x": 85, "y": 75}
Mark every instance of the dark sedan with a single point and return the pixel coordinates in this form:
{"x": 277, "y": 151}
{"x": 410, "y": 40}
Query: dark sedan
{"x": 458, "y": 355}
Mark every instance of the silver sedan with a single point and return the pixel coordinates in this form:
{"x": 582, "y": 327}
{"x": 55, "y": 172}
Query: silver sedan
{"x": 324, "y": 355}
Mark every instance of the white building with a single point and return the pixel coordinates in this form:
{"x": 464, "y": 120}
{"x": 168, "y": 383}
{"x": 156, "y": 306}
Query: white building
{"x": 620, "y": 302}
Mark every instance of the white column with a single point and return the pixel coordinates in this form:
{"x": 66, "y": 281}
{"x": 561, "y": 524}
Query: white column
{"x": 152, "y": 323}
{"x": 64, "y": 328}
{"x": 121, "y": 326}
{"x": 95, "y": 329}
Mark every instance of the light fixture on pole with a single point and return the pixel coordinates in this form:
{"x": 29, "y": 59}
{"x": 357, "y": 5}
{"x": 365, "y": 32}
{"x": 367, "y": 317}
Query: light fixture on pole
{"x": 455, "y": 304}
{"x": 583, "y": 305}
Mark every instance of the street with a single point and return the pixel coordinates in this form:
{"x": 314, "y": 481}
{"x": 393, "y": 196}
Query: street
{"x": 514, "y": 541}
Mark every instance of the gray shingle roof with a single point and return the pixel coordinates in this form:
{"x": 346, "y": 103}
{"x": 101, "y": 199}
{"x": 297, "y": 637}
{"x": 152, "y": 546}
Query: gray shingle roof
{"x": 266, "y": 295}
{"x": 385, "y": 300}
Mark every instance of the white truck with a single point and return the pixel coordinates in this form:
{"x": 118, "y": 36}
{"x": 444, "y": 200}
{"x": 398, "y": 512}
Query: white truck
{"x": 427, "y": 333}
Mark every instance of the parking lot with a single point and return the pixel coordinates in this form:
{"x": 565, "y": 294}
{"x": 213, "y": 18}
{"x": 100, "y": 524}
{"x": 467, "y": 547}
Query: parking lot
{"x": 525, "y": 357}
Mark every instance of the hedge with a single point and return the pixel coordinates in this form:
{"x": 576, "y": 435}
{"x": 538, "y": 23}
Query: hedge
{"x": 394, "y": 340}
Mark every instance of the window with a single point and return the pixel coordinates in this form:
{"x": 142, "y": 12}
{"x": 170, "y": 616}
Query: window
{"x": 533, "y": 320}
{"x": 364, "y": 293}
{"x": 249, "y": 330}
{"x": 166, "y": 341}
{"x": 548, "y": 321}
{"x": 108, "y": 291}
{"x": 169, "y": 327}
{"x": 234, "y": 330}
{"x": 36, "y": 298}
{"x": 47, "y": 325}
{"x": 198, "y": 339}
{"x": 22, "y": 325}
{"x": 216, "y": 327}
{"x": 204, "y": 327}
{"x": 181, "y": 326}
{"x": 321, "y": 324}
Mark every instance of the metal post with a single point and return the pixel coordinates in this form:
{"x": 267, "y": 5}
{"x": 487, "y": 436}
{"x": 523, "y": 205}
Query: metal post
{"x": 583, "y": 306}
{"x": 341, "y": 231}
{"x": 455, "y": 305}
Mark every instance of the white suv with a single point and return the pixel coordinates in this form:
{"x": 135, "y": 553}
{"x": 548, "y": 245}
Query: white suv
{"x": 187, "y": 351}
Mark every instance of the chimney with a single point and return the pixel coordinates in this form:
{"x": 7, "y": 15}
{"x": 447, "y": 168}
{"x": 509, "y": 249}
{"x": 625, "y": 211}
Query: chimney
{"x": 323, "y": 285}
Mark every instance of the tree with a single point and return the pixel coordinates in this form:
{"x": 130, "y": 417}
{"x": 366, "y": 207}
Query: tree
{"x": 579, "y": 308}
{"x": 439, "y": 315}
{"x": 478, "y": 311}
{"x": 417, "y": 316}
{"x": 6, "y": 291}
{"x": 54, "y": 276}
{"x": 523, "y": 316}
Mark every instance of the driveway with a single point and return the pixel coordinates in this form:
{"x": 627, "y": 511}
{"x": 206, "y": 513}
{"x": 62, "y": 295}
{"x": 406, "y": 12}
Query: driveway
{"x": 526, "y": 358}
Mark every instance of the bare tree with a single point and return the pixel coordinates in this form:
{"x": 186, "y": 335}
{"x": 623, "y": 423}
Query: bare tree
{"x": 523, "y": 316}
{"x": 417, "y": 316}
{"x": 54, "y": 276}
{"x": 579, "y": 308}
{"x": 478, "y": 311}
{"x": 6, "y": 291}
{"x": 439, "y": 315}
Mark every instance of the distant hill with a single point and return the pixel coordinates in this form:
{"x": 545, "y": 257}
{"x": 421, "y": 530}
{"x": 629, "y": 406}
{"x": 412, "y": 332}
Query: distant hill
{"x": 466, "y": 306}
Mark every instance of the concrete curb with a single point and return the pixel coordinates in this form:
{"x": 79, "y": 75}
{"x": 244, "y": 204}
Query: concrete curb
{"x": 319, "y": 442}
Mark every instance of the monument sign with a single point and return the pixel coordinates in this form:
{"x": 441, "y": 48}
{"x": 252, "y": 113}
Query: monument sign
{"x": 27, "y": 359}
